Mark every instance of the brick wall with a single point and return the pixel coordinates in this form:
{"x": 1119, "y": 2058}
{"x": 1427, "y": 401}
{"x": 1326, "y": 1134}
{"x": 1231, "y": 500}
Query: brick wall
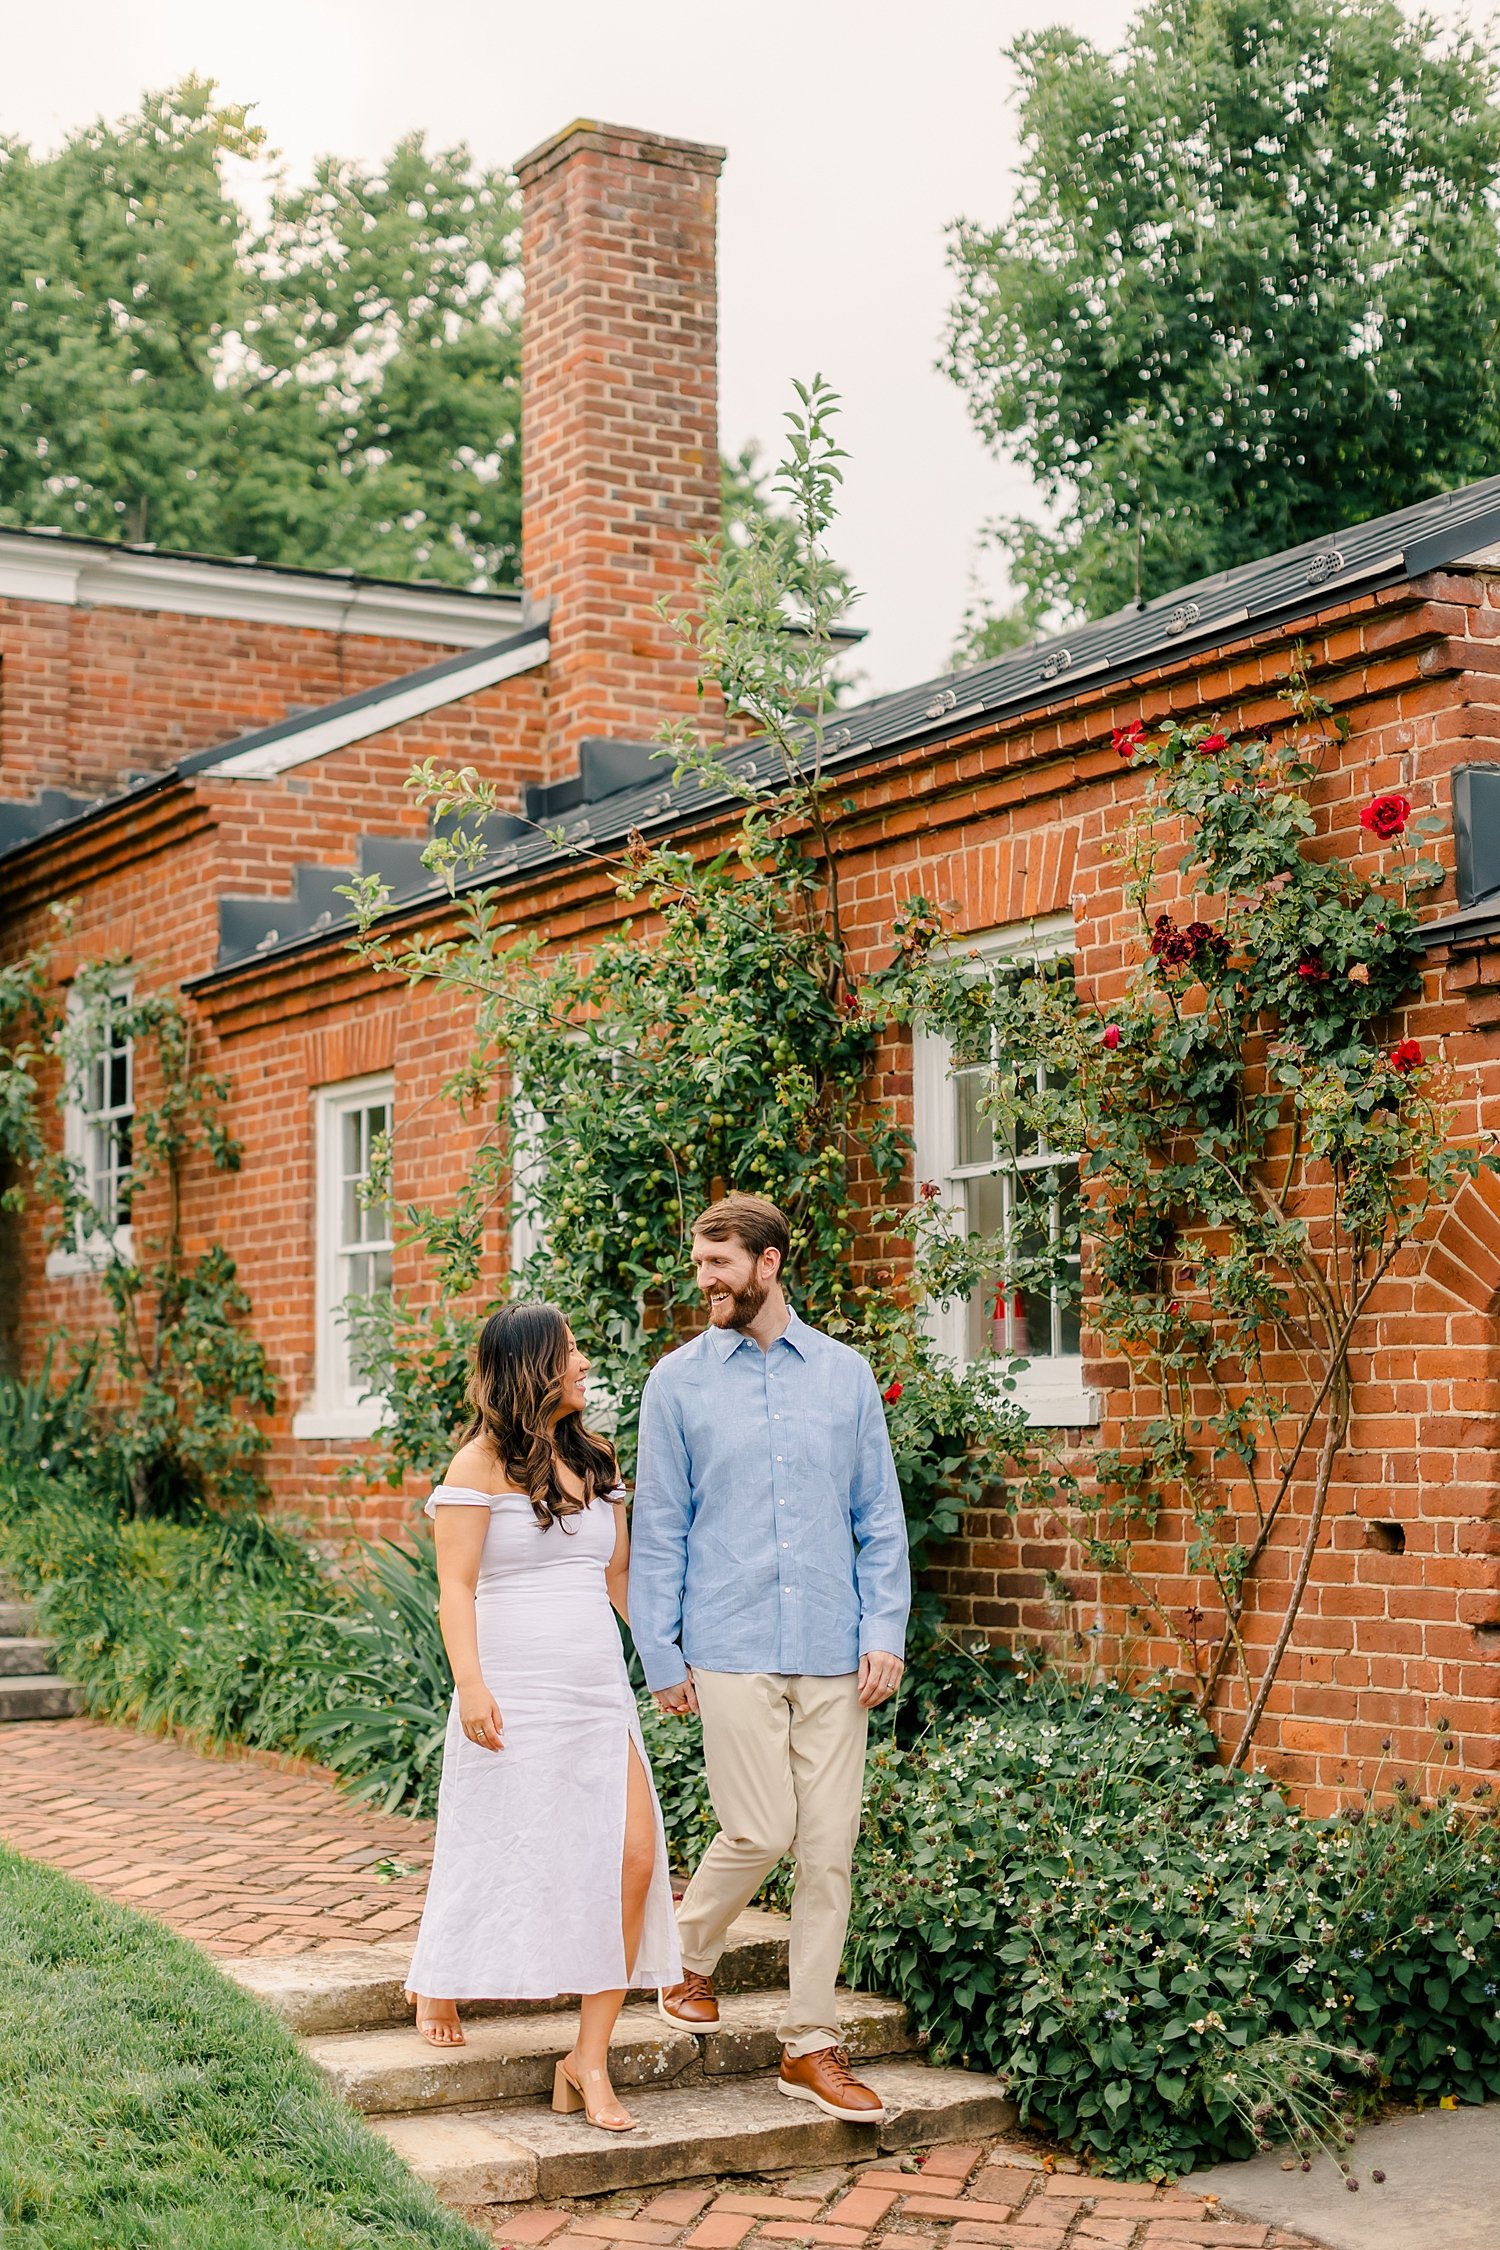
{"x": 1010, "y": 822}
{"x": 1020, "y": 823}
{"x": 90, "y": 697}
{"x": 620, "y": 460}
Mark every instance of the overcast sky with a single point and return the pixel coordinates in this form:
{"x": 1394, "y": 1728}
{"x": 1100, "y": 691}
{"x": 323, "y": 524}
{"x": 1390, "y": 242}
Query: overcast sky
{"x": 856, "y": 130}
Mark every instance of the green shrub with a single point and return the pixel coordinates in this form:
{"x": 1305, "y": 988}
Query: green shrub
{"x": 1166, "y": 1961}
{"x": 47, "y": 1420}
{"x": 210, "y": 1626}
{"x": 385, "y": 1681}
{"x": 674, "y": 1748}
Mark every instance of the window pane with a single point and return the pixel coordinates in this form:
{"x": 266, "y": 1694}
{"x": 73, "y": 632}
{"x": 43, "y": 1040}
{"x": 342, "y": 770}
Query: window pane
{"x": 1070, "y": 1227}
{"x": 351, "y": 1172}
{"x": 984, "y": 1214}
{"x": 364, "y": 1230}
{"x": 976, "y": 1135}
{"x": 1031, "y": 1307}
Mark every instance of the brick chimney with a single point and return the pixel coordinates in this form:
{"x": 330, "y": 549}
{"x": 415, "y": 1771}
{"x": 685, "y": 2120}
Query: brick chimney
{"x": 620, "y": 433}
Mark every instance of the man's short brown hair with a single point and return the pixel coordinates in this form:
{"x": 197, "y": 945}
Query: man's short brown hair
{"x": 751, "y": 1220}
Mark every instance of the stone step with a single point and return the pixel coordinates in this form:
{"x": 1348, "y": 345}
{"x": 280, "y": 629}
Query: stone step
{"x": 517, "y": 2154}
{"x": 37, "y": 1696}
{"x": 511, "y": 2058}
{"x": 15, "y": 1616}
{"x": 24, "y": 1656}
{"x": 358, "y": 1990}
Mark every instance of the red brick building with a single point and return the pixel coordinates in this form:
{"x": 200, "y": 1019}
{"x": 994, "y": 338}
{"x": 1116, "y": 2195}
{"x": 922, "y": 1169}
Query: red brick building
{"x": 199, "y": 752}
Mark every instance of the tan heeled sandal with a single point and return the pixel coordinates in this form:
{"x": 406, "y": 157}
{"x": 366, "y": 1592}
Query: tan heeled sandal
{"x": 430, "y": 2029}
{"x": 568, "y": 2097}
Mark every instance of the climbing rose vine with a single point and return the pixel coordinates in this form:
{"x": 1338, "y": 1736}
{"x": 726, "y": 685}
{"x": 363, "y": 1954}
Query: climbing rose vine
{"x": 1255, "y": 1153}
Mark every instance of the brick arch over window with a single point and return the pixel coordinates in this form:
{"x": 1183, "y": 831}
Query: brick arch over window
{"x": 1464, "y": 1258}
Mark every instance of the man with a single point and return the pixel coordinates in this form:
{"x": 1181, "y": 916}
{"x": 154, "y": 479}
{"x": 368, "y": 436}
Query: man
{"x": 769, "y": 1590}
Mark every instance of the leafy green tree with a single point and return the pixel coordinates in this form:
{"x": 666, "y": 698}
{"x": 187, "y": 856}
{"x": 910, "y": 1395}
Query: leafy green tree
{"x": 1249, "y": 292}
{"x": 338, "y": 386}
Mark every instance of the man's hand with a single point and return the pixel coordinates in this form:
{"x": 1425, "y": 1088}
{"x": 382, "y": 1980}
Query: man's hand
{"x": 678, "y": 1701}
{"x": 879, "y": 1678}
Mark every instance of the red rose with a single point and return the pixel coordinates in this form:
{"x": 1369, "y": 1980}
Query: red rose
{"x": 929, "y": 1191}
{"x": 851, "y": 1003}
{"x": 1127, "y": 740}
{"x": 1212, "y": 742}
{"x": 1406, "y": 1056}
{"x": 1313, "y": 970}
{"x": 1386, "y": 816}
{"x": 1111, "y": 1035}
{"x": 891, "y": 1393}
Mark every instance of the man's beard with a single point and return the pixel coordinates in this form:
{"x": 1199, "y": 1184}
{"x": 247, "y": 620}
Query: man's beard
{"x": 744, "y": 1305}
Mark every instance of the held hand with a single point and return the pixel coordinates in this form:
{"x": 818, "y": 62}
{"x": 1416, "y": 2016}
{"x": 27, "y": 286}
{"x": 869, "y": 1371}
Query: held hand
{"x": 879, "y": 1678}
{"x": 479, "y": 1716}
{"x": 678, "y": 1701}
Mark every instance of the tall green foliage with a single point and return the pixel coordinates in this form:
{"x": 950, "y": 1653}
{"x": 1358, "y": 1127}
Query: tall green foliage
{"x": 1249, "y": 290}
{"x": 717, "y": 1038}
{"x": 179, "y": 1374}
{"x": 337, "y": 386}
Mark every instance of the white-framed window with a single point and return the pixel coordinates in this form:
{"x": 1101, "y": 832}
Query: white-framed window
{"x": 99, "y": 1129}
{"x": 1005, "y": 1193}
{"x": 353, "y": 1242}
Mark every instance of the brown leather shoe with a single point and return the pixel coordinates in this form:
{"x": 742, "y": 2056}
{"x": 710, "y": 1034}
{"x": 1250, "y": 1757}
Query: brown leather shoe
{"x": 690, "y": 2005}
{"x": 825, "y": 2078}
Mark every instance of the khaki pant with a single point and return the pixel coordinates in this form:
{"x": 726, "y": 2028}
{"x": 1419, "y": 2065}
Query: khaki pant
{"x": 785, "y": 1755}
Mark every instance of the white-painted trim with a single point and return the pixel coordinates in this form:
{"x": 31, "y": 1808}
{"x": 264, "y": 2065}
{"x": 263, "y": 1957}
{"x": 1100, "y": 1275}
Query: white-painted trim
{"x": 361, "y": 1421}
{"x": 330, "y": 1412}
{"x": 35, "y": 569}
{"x": 319, "y": 736}
{"x": 92, "y": 1256}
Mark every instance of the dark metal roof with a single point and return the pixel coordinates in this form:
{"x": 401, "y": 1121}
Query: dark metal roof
{"x": 1479, "y": 921}
{"x": 1232, "y": 603}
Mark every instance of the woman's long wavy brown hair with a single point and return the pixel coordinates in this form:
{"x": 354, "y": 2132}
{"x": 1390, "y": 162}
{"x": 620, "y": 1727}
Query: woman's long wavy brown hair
{"x": 515, "y": 1389}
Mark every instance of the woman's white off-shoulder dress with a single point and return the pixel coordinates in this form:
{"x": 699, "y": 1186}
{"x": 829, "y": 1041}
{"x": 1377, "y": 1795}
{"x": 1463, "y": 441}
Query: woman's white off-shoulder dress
{"x": 524, "y": 1898}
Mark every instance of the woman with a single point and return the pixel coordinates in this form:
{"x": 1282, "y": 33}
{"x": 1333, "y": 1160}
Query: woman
{"x": 550, "y": 1871}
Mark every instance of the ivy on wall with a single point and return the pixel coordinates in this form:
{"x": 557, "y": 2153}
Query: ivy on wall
{"x": 173, "y": 1372}
{"x": 716, "y": 1038}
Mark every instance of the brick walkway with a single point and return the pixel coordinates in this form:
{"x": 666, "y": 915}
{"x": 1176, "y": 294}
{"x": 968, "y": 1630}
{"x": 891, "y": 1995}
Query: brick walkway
{"x": 997, "y": 2197}
{"x": 244, "y": 1856}
{"x": 236, "y": 1853}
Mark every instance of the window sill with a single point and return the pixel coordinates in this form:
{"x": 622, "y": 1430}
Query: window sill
{"x": 361, "y": 1421}
{"x": 1058, "y": 1400}
{"x": 1058, "y": 1410}
{"x": 91, "y": 1258}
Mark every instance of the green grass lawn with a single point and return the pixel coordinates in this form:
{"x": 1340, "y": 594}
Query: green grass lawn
{"x": 147, "y": 2104}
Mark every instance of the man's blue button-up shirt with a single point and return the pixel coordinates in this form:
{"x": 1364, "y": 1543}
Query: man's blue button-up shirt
{"x": 768, "y": 1533}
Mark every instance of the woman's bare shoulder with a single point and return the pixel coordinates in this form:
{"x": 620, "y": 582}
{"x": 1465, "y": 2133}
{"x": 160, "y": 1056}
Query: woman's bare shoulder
{"x": 475, "y": 1466}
